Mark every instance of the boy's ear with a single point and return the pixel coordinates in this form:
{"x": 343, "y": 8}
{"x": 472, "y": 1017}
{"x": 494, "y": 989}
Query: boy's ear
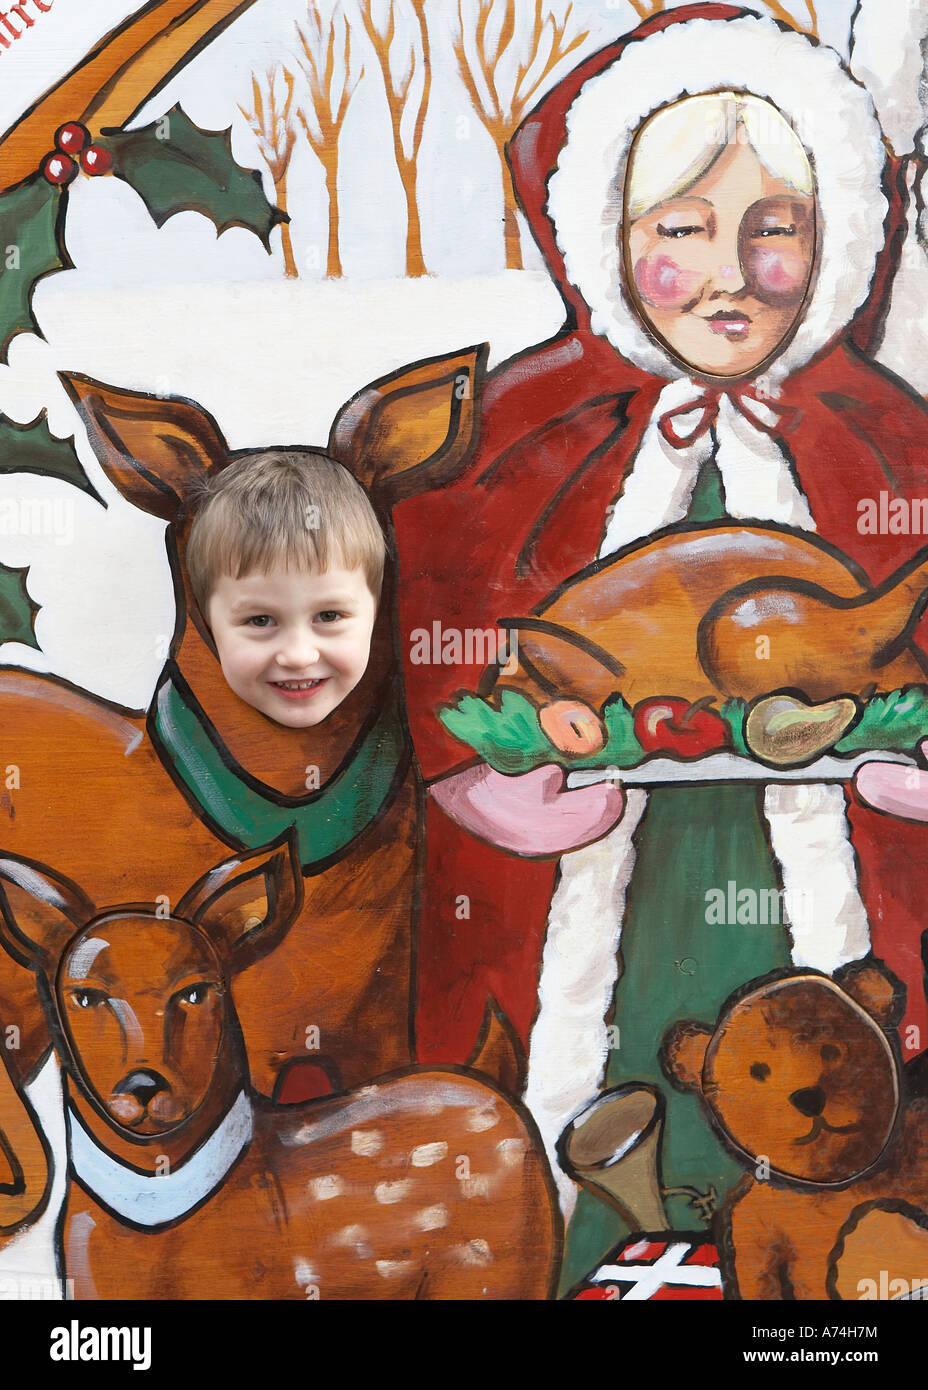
{"x": 413, "y": 429}
{"x": 150, "y": 449}
{"x": 683, "y": 1054}
{"x": 248, "y": 902}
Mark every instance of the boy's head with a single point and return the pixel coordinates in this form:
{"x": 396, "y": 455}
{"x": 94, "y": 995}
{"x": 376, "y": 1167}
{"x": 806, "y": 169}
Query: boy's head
{"x": 285, "y": 558}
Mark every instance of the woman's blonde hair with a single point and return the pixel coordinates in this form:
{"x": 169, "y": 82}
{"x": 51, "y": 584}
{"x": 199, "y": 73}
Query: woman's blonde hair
{"x": 677, "y": 145}
{"x": 296, "y": 507}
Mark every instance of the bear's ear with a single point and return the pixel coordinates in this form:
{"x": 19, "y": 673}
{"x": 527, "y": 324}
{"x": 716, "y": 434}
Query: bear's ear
{"x": 683, "y": 1054}
{"x": 876, "y": 990}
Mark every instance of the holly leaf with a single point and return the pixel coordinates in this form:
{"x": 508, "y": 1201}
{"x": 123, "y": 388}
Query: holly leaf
{"x": 17, "y": 610}
{"x": 174, "y": 166}
{"x": 31, "y": 247}
{"x": 33, "y": 448}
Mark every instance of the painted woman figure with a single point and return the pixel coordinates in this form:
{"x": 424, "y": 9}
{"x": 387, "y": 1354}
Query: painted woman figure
{"x": 713, "y": 196}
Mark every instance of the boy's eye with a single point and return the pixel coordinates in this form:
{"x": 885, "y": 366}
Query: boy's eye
{"x": 677, "y": 231}
{"x": 329, "y": 616}
{"x": 260, "y": 620}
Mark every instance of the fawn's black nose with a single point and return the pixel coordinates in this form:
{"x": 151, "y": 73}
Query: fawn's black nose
{"x": 810, "y": 1101}
{"x": 144, "y": 1085}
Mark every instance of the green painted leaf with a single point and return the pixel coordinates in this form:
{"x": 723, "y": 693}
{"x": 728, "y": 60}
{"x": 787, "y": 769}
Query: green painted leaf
{"x": 622, "y": 747}
{"x": 17, "y": 610}
{"x": 511, "y": 740}
{"x": 33, "y": 448}
{"x": 897, "y": 721}
{"x": 733, "y": 712}
{"x": 174, "y": 166}
{"x": 32, "y": 238}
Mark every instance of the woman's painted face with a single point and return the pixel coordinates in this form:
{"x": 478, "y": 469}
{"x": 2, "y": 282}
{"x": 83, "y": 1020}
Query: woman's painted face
{"x": 721, "y": 272}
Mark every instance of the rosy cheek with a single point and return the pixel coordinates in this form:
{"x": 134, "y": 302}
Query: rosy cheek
{"x": 783, "y": 274}
{"x": 664, "y": 284}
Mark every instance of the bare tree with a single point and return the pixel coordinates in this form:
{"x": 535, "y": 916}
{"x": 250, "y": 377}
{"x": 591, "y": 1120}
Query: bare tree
{"x": 272, "y": 123}
{"x": 407, "y": 80}
{"x": 781, "y": 12}
{"x": 326, "y": 65}
{"x": 504, "y": 68}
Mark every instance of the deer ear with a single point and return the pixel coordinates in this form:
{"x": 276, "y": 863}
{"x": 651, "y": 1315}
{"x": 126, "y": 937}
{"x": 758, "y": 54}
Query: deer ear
{"x": 41, "y": 911}
{"x": 248, "y": 902}
{"x": 414, "y": 429}
{"x": 683, "y": 1054}
{"x": 152, "y": 450}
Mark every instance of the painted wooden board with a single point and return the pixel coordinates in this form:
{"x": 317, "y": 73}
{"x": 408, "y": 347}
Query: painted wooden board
{"x": 579, "y": 949}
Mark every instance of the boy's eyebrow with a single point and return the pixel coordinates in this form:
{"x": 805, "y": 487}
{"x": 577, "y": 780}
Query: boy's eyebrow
{"x": 328, "y": 599}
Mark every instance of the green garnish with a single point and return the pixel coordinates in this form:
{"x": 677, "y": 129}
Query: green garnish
{"x": 897, "y": 721}
{"x": 511, "y": 740}
{"x": 733, "y": 712}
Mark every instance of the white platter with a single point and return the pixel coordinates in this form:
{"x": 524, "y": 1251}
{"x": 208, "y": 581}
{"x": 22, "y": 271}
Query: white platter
{"x": 731, "y": 767}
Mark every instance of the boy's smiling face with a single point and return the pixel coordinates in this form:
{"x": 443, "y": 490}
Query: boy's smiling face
{"x": 293, "y": 642}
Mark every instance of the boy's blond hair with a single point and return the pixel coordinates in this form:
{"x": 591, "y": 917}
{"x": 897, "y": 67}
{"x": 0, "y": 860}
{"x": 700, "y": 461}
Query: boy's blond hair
{"x": 282, "y": 506}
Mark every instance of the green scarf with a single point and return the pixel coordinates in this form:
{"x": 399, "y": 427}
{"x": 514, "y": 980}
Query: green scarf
{"x": 243, "y": 812}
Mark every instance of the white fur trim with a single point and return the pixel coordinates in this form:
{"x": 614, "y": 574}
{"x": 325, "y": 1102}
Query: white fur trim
{"x": 810, "y": 837}
{"x": 755, "y": 472}
{"x": 886, "y": 56}
{"x": 658, "y": 489}
{"x": 840, "y": 132}
{"x": 568, "y": 1046}
{"x": 904, "y": 348}
{"x": 756, "y": 476}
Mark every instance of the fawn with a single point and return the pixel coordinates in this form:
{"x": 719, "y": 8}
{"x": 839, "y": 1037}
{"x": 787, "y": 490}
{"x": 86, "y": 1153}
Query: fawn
{"x": 423, "y": 1184}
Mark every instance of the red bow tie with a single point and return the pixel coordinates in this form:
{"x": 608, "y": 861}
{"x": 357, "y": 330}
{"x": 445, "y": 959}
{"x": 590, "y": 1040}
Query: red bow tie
{"x": 708, "y": 405}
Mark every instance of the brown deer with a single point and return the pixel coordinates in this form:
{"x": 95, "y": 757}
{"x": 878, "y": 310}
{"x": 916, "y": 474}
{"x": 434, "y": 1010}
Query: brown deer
{"x": 424, "y": 1184}
{"x": 164, "y": 794}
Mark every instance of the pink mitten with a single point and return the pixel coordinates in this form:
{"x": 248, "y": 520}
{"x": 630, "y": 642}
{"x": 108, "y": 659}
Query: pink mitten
{"x": 530, "y": 814}
{"x": 899, "y": 790}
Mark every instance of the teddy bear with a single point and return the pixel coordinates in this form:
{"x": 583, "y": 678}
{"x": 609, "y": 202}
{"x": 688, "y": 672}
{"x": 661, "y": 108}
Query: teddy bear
{"x": 801, "y": 1077}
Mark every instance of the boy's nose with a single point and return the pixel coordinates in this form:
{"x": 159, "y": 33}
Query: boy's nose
{"x": 298, "y": 650}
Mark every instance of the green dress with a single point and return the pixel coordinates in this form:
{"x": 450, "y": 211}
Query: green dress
{"x": 676, "y": 965}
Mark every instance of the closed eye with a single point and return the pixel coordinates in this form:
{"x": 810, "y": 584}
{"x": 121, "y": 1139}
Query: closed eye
{"x": 775, "y": 231}
{"x": 677, "y": 231}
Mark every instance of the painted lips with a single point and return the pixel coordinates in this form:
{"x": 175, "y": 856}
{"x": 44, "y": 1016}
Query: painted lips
{"x": 729, "y": 323}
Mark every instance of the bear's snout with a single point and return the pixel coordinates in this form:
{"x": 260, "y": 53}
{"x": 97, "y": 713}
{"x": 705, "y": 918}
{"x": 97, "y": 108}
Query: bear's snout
{"x": 810, "y": 1101}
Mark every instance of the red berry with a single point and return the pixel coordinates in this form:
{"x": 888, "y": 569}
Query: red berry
{"x": 59, "y": 168}
{"x": 96, "y": 160}
{"x": 72, "y": 138}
